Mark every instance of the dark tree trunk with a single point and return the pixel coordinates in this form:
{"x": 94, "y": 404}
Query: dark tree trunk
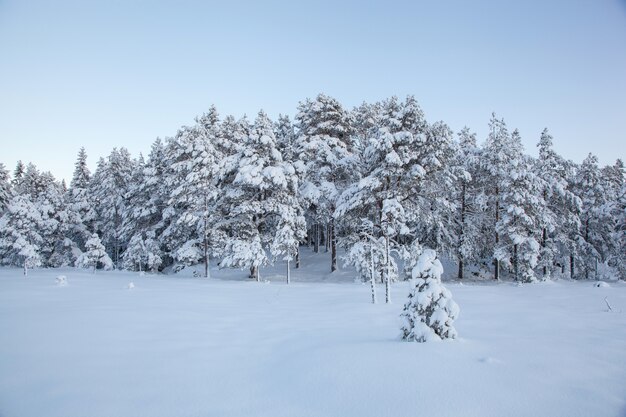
{"x": 515, "y": 263}
{"x": 316, "y": 239}
{"x": 327, "y": 233}
{"x": 587, "y": 240}
{"x": 298, "y": 257}
{"x": 462, "y": 231}
{"x": 544, "y": 238}
{"x": 496, "y": 262}
{"x": 333, "y": 246}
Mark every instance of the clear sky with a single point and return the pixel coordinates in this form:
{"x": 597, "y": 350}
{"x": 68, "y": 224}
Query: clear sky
{"x": 120, "y": 73}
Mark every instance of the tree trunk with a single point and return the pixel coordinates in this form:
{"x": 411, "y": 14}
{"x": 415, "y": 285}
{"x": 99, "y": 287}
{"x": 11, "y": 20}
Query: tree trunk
{"x": 571, "y": 266}
{"x": 496, "y": 261}
{"x": 288, "y": 273}
{"x": 327, "y": 237}
{"x": 25, "y": 269}
{"x": 496, "y": 264}
{"x": 587, "y": 240}
{"x": 462, "y": 231}
{"x": 544, "y": 237}
{"x": 117, "y": 242}
{"x": 206, "y": 253}
{"x": 386, "y": 272}
{"x": 316, "y": 242}
{"x": 372, "y": 276}
{"x": 333, "y": 246}
{"x": 544, "y": 240}
{"x": 206, "y": 238}
{"x": 515, "y": 263}
{"x": 298, "y": 257}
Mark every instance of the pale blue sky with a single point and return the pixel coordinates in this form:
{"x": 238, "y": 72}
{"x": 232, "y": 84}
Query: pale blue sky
{"x": 121, "y": 73}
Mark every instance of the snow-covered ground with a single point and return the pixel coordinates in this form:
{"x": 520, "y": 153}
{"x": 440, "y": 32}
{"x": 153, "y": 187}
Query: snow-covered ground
{"x": 227, "y": 346}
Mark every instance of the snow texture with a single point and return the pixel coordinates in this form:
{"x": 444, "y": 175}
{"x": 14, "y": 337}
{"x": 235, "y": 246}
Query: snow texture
{"x": 197, "y": 347}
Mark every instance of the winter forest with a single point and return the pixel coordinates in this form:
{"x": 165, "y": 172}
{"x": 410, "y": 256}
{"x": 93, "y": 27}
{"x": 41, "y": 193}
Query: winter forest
{"x": 379, "y": 181}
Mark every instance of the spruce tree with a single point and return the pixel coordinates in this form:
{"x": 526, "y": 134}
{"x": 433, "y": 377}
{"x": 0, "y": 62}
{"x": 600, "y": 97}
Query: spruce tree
{"x": 430, "y": 312}
{"x": 94, "y": 255}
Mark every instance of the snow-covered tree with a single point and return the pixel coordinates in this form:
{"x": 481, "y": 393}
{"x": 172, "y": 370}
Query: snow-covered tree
{"x": 558, "y": 216}
{"x": 58, "y": 225}
{"x": 143, "y": 221}
{"x": 94, "y": 255}
{"x": 519, "y": 227}
{"x": 466, "y": 224}
{"x": 392, "y": 173}
{"x": 143, "y": 253}
{"x": 430, "y": 312}
{"x": 323, "y": 148}
{"x": 19, "y": 234}
{"x": 498, "y": 154}
{"x": 18, "y": 175}
{"x": 5, "y": 188}
{"x": 77, "y": 198}
{"x": 290, "y": 228}
{"x": 259, "y": 206}
{"x": 197, "y": 170}
{"x": 366, "y": 252}
{"x": 595, "y": 230}
{"x": 109, "y": 187}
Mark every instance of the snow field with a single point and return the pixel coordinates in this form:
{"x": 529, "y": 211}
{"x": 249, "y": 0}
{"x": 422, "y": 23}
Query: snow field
{"x": 177, "y": 346}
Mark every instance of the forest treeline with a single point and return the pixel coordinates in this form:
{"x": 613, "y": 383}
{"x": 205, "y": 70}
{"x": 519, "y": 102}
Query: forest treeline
{"x": 379, "y": 180}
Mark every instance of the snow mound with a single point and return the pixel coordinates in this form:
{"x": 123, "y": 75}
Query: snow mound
{"x": 130, "y": 286}
{"x": 601, "y": 284}
{"x": 490, "y": 360}
{"x": 61, "y": 280}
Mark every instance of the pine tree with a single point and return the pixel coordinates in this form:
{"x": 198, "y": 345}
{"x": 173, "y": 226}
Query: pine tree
{"x": 434, "y": 206}
{"x": 558, "y": 216}
{"x": 77, "y": 198}
{"x": 95, "y": 255}
{"x": 392, "y": 173}
{"x": 519, "y": 226}
{"x": 5, "y": 188}
{"x": 58, "y": 222}
{"x": 144, "y": 221}
{"x": 290, "y": 230}
{"x": 19, "y": 234}
{"x": 324, "y": 128}
{"x": 430, "y": 311}
{"x": 198, "y": 169}
{"x": 614, "y": 211}
{"x": 109, "y": 191}
{"x": 618, "y": 211}
{"x": 595, "y": 230}
{"x": 366, "y": 253}
{"x": 18, "y": 175}
{"x": 466, "y": 225}
{"x": 256, "y": 204}
{"x": 499, "y": 153}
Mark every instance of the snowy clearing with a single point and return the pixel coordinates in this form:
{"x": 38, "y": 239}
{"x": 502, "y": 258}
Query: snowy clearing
{"x": 183, "y": 346}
